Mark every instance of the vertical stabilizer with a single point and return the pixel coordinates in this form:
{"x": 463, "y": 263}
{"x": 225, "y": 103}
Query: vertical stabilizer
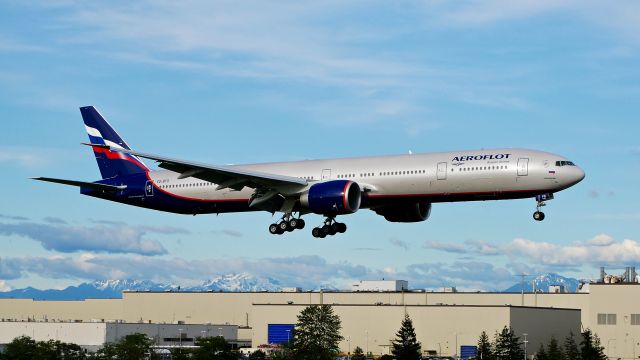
{"x": 111, "y": 164}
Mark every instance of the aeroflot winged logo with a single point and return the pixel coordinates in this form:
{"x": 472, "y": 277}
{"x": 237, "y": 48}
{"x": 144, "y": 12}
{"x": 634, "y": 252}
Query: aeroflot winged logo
{"x": 481, "y": 157}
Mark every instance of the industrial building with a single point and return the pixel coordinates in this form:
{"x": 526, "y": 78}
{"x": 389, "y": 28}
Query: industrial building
{"x": 92, "y": 335}
{"x": 444, "y": 321}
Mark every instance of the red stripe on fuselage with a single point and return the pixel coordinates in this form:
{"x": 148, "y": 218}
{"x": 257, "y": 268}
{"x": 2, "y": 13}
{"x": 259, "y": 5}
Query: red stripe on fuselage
{"x": 189, "y": 198}
{"x": 114, "y": 155}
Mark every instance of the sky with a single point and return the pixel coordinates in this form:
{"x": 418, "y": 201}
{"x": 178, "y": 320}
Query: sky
{"x": 241, "y": 82}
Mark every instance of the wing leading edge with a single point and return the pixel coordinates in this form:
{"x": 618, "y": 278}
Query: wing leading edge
{"x": 225, "y": 176}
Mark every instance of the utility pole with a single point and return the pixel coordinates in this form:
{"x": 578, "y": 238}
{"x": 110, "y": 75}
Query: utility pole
{"x": 525, "y": 346}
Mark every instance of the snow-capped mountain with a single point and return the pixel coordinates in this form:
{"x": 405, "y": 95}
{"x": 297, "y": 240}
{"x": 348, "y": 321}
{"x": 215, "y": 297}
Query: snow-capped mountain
{"x": 542, "y": 283}
{"x": 239, "y": 282}
{"x": 112, "y": 289}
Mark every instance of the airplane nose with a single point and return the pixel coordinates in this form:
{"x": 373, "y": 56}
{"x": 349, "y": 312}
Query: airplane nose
{"x": 578, "y": 175}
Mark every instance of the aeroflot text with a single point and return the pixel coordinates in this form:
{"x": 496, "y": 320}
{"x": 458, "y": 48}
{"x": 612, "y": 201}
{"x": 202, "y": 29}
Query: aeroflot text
{"x": 481, "y": 157}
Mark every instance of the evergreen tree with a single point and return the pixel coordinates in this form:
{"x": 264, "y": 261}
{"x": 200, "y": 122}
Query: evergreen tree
{"x": 553, "y": 351}
{"x": 358, "y": 354}
{"x": 541, "y": 354}
{"x": 484, "y": 348}
{"x": 317, "y": 333}
{"x": 590, "y": 348}
{"x": 571, "y": 351}
{"x": 507, "y": 345}
{"x": 406, "y": 346}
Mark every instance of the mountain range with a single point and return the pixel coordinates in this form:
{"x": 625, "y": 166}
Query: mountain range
{"x": 542, "y": 283}
{"x": 112, "y": 289}
{"x": 243, "y": 282}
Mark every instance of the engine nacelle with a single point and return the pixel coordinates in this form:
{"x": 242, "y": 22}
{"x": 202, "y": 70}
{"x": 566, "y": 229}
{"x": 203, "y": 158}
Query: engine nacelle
{"x": 336, "y": 197}
{"x": 405, "y": 213}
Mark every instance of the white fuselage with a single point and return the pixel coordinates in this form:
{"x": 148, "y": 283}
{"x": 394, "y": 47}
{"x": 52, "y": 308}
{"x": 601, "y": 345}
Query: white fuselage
{"x": 436, "y": 177}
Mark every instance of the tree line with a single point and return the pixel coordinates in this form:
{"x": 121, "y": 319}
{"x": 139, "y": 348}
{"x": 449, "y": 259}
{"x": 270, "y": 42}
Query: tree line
{"x": 507, "y": 346}
{"x": 316, "y": 336}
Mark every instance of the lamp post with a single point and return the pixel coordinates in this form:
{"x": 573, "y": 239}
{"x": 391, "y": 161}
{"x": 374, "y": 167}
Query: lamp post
{"x": 456, "y": 345}
{"x": 180, "y": 339}
{"x": 525, "y": 345}
{"x": 367, "y": 347}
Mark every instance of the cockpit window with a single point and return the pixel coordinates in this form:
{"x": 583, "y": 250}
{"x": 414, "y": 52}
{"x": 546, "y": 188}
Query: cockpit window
{"x": 565, "y": 163}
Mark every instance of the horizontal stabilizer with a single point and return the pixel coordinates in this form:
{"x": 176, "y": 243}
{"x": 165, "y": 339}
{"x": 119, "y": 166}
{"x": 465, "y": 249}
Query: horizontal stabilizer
{"x": 92, "y": 185}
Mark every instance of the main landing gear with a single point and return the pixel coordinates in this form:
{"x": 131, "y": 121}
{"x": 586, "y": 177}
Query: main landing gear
{"x": 288, "y": 223}
{"x": 330, "y": 227}
{"x": 540, "y": 199}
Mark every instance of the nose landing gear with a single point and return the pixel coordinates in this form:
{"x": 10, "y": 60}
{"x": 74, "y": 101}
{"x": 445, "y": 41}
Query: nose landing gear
{"x": 330, "y": 227}
{"x": 540, "y": 199}
{"x": 288, "y": 223}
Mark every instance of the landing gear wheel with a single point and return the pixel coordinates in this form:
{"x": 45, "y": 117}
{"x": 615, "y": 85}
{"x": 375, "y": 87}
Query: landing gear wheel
{"x": 293, "y": 224}
{"x": 318, "y": 233}
{"x": 342, "y": 227}
{"x": 273, "y": 229}
{"x": 335, "y": 228}
{"x": 325, "y": 229}
{"x": 283, "y": 226}
{"x": 538, "y": 216}
{"x": 300, "y": 224}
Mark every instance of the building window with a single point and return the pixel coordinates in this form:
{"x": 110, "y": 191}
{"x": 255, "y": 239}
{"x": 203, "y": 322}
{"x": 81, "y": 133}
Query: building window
{"x": 635, "y": 319}
{"x": 606, "y": 319}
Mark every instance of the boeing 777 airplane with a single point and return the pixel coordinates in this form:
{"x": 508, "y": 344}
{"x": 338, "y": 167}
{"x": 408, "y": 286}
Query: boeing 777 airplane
{"x": 401, "y": 188}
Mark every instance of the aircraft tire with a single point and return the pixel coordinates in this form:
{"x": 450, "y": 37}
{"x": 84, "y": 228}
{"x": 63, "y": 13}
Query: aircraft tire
{"x": 342, "y": 228}
{"x": 300, "y": 224}
{"x": 317, "y": 232}
{"x": 283, "y": 226}
{"x": 273, "y": 229}
{"x": 538, "y": 216}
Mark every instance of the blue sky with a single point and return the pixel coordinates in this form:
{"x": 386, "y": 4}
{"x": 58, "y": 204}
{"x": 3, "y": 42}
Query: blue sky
{"x": 227, "y": 82}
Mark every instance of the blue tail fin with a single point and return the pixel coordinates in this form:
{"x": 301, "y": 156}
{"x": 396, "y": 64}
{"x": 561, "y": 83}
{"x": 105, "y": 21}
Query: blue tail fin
{"x": 111, "y": 164}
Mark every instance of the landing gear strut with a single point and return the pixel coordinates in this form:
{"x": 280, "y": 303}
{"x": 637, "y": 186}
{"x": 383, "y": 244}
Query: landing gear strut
{"x": 540, "y": 199}
{"x": 288, "y": 223}
{"x": 330, "y": 227}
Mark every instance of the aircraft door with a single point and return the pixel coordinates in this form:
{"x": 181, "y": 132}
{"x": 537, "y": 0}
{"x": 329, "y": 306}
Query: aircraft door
{"x": 326, "y": 174}
{"x": 523, "y": 167}
{"x": 442, "y": 171}
{"x": 148, "y": 188}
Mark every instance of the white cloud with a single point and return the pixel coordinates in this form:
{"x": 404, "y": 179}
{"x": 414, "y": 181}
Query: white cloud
{"x": 601, "y": 250}
{"x": 601, "y": 240}
{"x": 4, "y": 287}
{"x": 622, "y": 19}
{"x": 103, "y": 237}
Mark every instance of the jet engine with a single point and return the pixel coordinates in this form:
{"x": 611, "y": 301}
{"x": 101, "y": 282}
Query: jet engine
{"x": 405, "y": 213}
{"x": 336, "y": 197}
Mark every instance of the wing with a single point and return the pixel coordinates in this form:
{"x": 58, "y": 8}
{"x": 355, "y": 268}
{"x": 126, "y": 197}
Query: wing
{"x": 91, "y": 185}
{"x": 225, "y": 176}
